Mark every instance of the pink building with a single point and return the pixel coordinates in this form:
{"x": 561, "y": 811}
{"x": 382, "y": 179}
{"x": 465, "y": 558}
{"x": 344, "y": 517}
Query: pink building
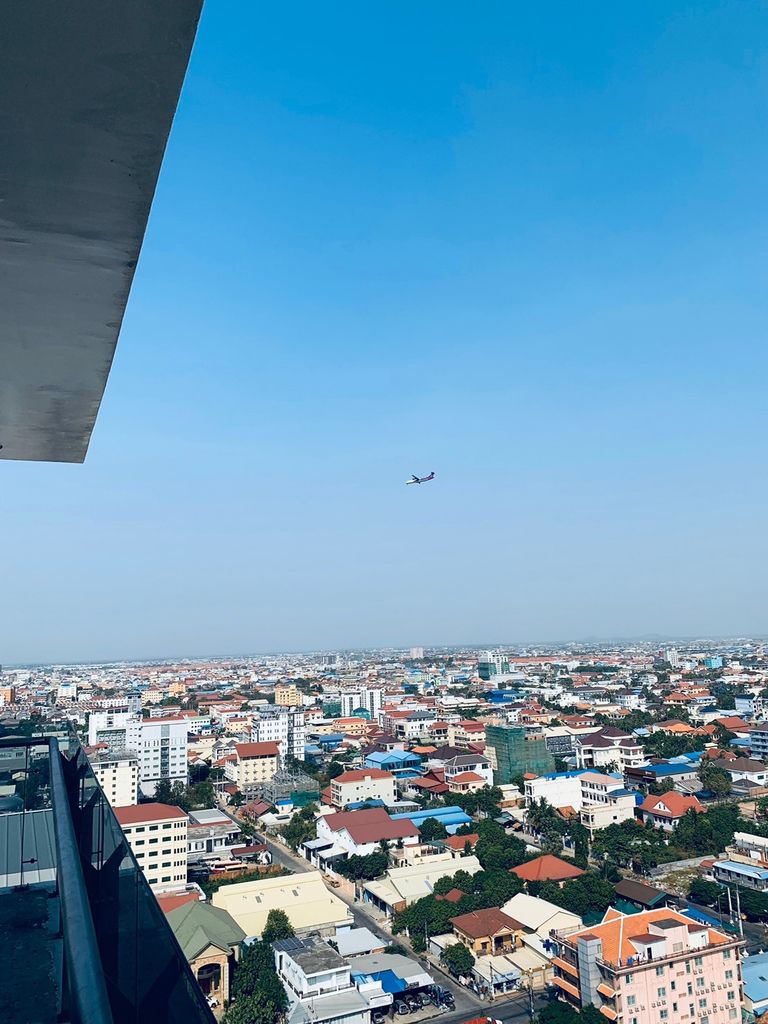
{"x": 651, "y": 968}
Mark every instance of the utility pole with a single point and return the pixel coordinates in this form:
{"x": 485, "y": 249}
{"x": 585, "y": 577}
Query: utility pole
{"x": 730, "y": 904}
{"x": 738, "y": 913}
{"x": 531, "y": 1011}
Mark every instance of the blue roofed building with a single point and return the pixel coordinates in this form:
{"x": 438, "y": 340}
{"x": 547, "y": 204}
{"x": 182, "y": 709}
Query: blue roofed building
{"x": 402, "y": 763}
{"x": 754, "y": 972}
{"x": 451, "y": 817}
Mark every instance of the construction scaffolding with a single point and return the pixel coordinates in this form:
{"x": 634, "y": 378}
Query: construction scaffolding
{"x": 287, "y": 784}
{"x": 513, "y": 751}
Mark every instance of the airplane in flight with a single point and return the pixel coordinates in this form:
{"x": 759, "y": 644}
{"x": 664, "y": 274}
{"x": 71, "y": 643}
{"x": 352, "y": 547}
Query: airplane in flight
{"x": 421, "y": 479}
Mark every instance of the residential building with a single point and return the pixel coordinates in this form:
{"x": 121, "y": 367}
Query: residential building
{"x": 540, "y": 916}
{"x": 357, "y": 833}
{"x": 744, "y": 769}
{"x": 366, "y": 784}
{"x": 310, "y": 906}
{"x": 118, "y": 776}
{"x": 651, "y": 967}
{"x": 120, "y": 731}
{"x": 162, "y": 752}
{"x": 547, "y": 868}
{"x": 367, "y": 698}
{"x": 253, "y": 765}
{"x": 287, "y": 695}
{"x": 608, "y": 747}
{"x": 600, "y": 800}
{"x": 401, "y": 763}
{"x": 487, "y": 932}
{"x": 282, "y": 725}
{"x": 477, "y": 765}
{"x": 157, "y": 835}
{"x": 745, "y": 863}
{"x": 211, "y": 835}
{"x": 665, "y": 811}
{"x": 210, "y": 940}
{"x": 404, "y": 885}
{"x": 318, "y": 983}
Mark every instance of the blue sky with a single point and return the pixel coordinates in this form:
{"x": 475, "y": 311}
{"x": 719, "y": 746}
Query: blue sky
{"x": 521, "y": 245}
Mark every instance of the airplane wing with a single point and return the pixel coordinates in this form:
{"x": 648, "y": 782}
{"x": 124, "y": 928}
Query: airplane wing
{"x": 414, "y": 479}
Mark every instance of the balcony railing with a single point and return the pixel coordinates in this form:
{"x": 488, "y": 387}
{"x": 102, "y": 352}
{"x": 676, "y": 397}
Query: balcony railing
{"x": 122, "y": 963}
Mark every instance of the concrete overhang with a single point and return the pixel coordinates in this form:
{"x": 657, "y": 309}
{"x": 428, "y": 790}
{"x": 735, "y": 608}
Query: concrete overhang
{"x": 88, "y": 90}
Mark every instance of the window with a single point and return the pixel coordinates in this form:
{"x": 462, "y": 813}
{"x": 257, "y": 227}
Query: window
{"x": 690, "y": 989}
{"x": 628, "y": 979}
{"x": 702, "y": 1004}
{"x": 697, "y": 960}
{"x": 688, "y": 967}
{"x": 661, "y": 992}
{"x": 699, "y": 983}
{"x": 631, "y": 1000}
{"x": 659, "y": 972}
{"x": 165, "y": 878}
{"x": 729, "y": 975}
{"x": 733, "y": 1013}
{"x": 731, "y": 996}
{"x": 726, "y": 954}
{"x": 664, "y": 1015}
{"x": 674, "y": 1007}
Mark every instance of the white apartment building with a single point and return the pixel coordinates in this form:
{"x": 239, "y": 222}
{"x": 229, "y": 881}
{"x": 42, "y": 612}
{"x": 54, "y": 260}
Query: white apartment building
{"x": 120, "y": 730}
{"x": 369, "y": 698}
{"x": 163, "y": 753}
{"x": 282, "y": 725}
{"x": 157, "y": 835}
{"x": 366, "y": 784}
{"x": 601, "y": 800}
{"x": 118, "y": 776}
{"x": 253, "y": 765}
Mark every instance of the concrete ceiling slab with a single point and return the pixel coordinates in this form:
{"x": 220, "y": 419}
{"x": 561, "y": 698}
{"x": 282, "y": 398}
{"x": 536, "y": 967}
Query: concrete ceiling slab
{"x": 88, "y": 90}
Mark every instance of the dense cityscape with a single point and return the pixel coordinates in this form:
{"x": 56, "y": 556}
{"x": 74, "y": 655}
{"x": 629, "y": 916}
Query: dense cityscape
{"x": 579, "y": 829}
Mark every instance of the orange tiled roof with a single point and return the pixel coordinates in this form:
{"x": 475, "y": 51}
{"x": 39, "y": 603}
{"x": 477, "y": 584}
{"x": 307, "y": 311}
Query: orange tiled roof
{"x": 622, "y": 929}
{"x": 547, "y": 868}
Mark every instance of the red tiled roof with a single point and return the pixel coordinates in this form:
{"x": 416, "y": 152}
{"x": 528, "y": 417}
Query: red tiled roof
{"x": 452, "y": 896}
{"x": 480, "y": 923}
{"x": 463, "y": 777}
{"x": 458, "y": 842}
{"x": 174, "y": 900}
{"x": 257, "y": 749}
{"x": 370, "y": 825}
{"x": 135, "y": 814}
{"x": 676, "y": 803}
{"x": 547, "y": 868}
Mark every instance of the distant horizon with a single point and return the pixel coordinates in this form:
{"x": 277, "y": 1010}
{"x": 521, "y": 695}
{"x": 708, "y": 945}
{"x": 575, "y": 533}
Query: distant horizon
{"x": 694, "y": 638}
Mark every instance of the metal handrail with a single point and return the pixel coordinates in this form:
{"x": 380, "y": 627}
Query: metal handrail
{"x": 85, "y": 979}
{"x": 87, "y": 983}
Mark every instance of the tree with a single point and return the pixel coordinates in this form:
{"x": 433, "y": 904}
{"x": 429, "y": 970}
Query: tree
{"x": 278, "y": 926}
{"x": 703, "y": 892}
{"x": 256, "y": 959}
{"x": 458, "y": 959}
{"x": 259, "y": 995}
{"x": 715, "y": 779}
{"x": 431, "y": 828}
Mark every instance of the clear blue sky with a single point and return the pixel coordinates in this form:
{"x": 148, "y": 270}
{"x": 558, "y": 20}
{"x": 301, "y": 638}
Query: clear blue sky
{"x": 523, "y": 245}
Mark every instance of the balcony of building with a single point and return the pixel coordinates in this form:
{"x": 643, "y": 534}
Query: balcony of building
{"x": 86, "y": 941}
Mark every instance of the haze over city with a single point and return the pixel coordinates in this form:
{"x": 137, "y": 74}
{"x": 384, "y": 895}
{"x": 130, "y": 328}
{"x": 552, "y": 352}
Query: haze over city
{"x": 523, "y": 249}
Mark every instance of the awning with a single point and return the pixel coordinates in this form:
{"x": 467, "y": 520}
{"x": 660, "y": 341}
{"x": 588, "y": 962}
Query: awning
{"x": 562, "y": 964}
{"x": 566, "y": 986}
{"x": 608, "y": 1012}
{"x": 606, "y": 990}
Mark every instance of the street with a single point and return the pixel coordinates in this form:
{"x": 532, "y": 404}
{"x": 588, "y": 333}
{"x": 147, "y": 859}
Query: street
{"x": 468, "y": 1004}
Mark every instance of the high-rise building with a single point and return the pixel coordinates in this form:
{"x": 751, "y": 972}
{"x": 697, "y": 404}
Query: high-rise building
{"x": 160, "y": 744}
{"x": 493, "y": 663}
{"x": 118, "y": 776}
{"x": 417, "y": 653}
{"x": 282, "y": 725}
{"x": 287, "y": 695}
{"x": 366, "y": 698}
{"x": 157, "y": 834}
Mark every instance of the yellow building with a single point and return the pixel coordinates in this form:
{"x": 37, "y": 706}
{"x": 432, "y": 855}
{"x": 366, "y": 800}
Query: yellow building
{"x": 254, "y": 763}
{"x": 287, "y": 696}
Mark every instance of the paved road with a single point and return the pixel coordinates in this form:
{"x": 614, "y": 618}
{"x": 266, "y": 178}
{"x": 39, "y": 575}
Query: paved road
{"x": 468, "y": 1005}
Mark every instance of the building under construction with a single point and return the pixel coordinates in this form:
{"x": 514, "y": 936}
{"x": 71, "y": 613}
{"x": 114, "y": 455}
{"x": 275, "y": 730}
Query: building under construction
{"x": 288, "y": 784}
{"x": 513, "y": 750}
